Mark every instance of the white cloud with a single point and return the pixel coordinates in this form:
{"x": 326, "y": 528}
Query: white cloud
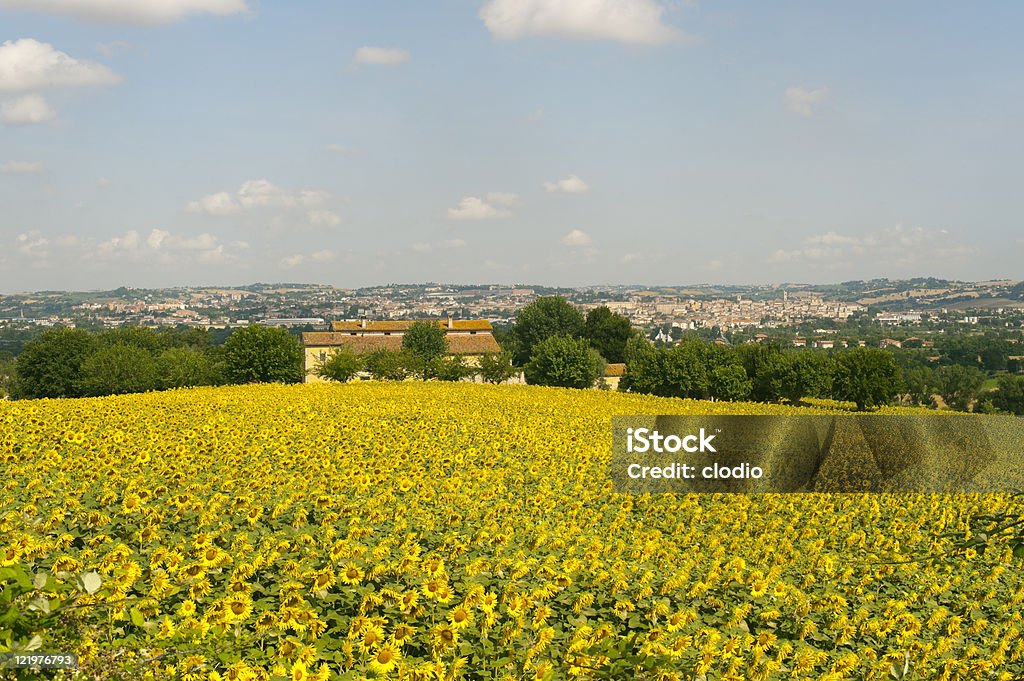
{"x": 256, "y": 195}
{"x": 336, "y": 148}
{"x": 570, "y": 185}
{"x": 23, "y": 167}
{"x": 28, "y": 64}
{"x": 291, "y": 261}
{"x": 381, "y": 55}
{"x": 323, "y": 218}
{"x": 492, "y": 205}
{"x": 577, "y": 238}
{"x": 158, "y": 247}
{"x": 103, "y": 182}
{"x": 897, "y": 246}
{"x": 446, "y": 244}
{"x": 218, "y": 204}
{"x": 163, "y": 246}
{"x": 32, "y": 244}
{"x": 138, "y": 12}
{"x": 260, "y": 193}
{"x": 624, "y": 21}
{"x": 803, "y": 101}
{"x": 27, "y": 110}
{"x": 536, "y": 116}
{"x": 322, "y": 256}
{"x": 312, "y": 197}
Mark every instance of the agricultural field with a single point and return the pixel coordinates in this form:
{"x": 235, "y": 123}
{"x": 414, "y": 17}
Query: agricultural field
{"x": 444, "y": 531}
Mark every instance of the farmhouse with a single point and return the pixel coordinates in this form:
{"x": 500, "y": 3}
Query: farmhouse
{"x": 613, "y": 373}
{"x": 470, "y": 338}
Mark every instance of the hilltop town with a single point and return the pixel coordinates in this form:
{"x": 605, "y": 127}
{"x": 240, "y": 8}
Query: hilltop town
{"x": 885, "y": 302}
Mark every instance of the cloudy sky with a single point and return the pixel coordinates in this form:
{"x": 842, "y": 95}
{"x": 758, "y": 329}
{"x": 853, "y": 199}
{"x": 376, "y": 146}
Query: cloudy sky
{"x": 563, "y": 142}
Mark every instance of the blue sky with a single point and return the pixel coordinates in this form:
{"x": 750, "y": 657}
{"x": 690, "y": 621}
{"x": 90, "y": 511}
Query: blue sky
{"x": 562, "y": 142}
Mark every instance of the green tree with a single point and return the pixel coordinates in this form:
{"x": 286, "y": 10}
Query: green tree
{"x": 608, "y": 333}
{"x": 919, "y": 383}
{"x": 688, "y": 366}
{"x": 496, "y": 367}
{"x": 795, "y": 375}
{"x": 136, "y": 336}
{"x": 341, "y": 366}
{"x": 426, "y": 342}
{"x": 217, "y": 357}
{"x": 117, "y": 370}
{"x": 451, "y": 368}
{"x": 868, "y": 377}
{"x": 260, "y": 354}
{"x": 50, "y": 365}
{"x": 7, "y": 374}
{"x": 183, "y": 367}
{"x": 645, "y": 369}
{"x": 730, "y": 382}
{"x": 958, "y": 385}
{"x": 565, "y": 362}
{"x": 544, "y": 318}
{"x": 1010, "y": 394}
{"x": 758, "y": 359}
{"x": 388, "y": 365}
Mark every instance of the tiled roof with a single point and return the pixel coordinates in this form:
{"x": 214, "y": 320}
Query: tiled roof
{"x": 404, "y": 324}
{"x": 616, "y": 369}
{"x": 458, "y": 344}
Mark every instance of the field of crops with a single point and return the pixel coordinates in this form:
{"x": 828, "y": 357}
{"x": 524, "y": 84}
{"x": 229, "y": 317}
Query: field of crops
{"x": 440, "y": 531}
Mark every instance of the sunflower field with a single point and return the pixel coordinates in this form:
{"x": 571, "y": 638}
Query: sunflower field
{"x": 458, "y": 531}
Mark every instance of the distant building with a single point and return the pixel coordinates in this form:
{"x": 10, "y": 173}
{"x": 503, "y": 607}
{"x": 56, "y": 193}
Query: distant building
{"x": 470, "y": 338}
{"x": 294, "y": 321}
{"x": 613, "y": 373}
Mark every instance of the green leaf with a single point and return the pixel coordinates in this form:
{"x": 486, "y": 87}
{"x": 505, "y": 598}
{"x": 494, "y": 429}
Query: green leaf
{"x": 90, "y": 582}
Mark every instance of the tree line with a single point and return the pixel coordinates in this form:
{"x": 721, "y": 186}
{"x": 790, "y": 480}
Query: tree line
{"x": 556, "y": 344}
{"x": 79, "y": 363}
{"x": 551, "y": 343}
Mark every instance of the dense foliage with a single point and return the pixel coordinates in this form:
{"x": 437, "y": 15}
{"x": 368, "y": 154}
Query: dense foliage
{"x": 564, "y": 362}
{"x": 261, "y": 354}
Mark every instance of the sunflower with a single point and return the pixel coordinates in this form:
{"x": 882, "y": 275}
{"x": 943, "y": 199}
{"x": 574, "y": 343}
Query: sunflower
{"x": 403, "y": 633}
{"x": 323, "y": 580}
{"x": 265, "y": 622}
{"x": 461, "y": 617}
{"x": 409, "y": 600}
{"x": 237, "y": 607}
{"x": 444, "y": 637}
{"x": 385, "y": 659}
{"x": 371, "y": 637}
{"x": 350, "y": 574}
